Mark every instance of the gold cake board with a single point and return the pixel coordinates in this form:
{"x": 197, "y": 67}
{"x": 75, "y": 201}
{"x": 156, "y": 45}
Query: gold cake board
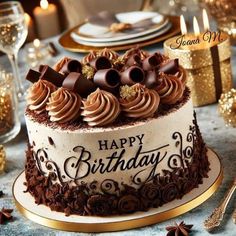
{"x": 44, "y": 216}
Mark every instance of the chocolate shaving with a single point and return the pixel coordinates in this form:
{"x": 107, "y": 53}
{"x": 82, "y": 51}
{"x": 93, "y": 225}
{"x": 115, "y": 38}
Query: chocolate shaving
{"x": 151, "y": 62}
{"x": 107, "y": 78}
{"x": 151, "y": 79}
{"x": 134, "y": 60}
{"x": 50, "y": 140}
{"x": 52, "y": 76}
{"x": 33, "y": 76}
{"x": 132, "y": 75}
{"x": 169, "y": 67}
{"x": 5, "y": 215}
{"x": 1, "y": 193}
{"x": 52, "y": 49}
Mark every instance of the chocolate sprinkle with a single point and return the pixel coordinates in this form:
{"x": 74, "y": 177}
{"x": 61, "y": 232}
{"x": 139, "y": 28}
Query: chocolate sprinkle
{"x": 50, "y": 140}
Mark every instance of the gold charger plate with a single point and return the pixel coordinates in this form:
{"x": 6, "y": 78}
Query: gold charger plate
{"x": 69, "y": 44}
{"x": 57, "y": 220}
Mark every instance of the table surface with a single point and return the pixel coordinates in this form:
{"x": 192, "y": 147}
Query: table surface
{"x": 217, "y": 136}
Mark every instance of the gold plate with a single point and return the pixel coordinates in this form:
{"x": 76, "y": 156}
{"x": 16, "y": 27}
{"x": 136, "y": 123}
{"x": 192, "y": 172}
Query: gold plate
{"x": 57, "y": 220}
{"x": 69, "y": 44}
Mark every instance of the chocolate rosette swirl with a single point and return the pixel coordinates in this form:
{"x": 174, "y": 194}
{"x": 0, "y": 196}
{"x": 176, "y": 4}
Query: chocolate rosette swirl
{"x": 150, "y": 191}
{"x": 100, "y": 108}
{"x": 181, "y": 74}
{"x": 100, "y": 205}
{"x": 89, "y": 57}
{"x": 169, "y": 192}
{"x": 128, "y": 204}
{"x": 170, "y": 89}
{"x": 58, "y": 66}
{"x": 64, "y": 106}
{"x": 110, "y": 54}
{"x": 138, "y": 101}
{"x": 39, "y": 94}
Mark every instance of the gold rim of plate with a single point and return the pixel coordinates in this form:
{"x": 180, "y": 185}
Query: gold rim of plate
{"x": 69, "y": 44}
{"x": 126, "y": 224}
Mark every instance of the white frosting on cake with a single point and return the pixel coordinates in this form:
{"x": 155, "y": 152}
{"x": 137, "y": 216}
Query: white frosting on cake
{"x": 145, "y": 148}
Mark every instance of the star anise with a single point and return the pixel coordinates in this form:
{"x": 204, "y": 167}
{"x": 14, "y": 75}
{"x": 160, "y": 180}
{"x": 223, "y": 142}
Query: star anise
{"x": 5, "y": 215}
{"x": 179, "y": 230}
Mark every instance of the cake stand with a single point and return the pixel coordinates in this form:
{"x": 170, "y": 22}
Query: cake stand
{"x": 44, "y": 216}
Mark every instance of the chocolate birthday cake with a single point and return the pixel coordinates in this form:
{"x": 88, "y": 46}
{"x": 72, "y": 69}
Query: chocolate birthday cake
{"x": 112, "y": 134}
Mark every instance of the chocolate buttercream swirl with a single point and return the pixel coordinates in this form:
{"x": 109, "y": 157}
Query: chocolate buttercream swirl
{"x": 38, "y": 95}
{"x": 64, "y": 106}
{"x": 150, "y": 191}
{"x": 89, "y": 57}
{"x": 58, "y": 66}
{"x": 139, "y": 102}
{"x": 110, "y": 54}
{"x": 100, "y": 108}
{"x": 141, "y": 53}
{"x": 128, "y": 204}
{"x": 181, "y": 74}
{"x": 170, "y": 88}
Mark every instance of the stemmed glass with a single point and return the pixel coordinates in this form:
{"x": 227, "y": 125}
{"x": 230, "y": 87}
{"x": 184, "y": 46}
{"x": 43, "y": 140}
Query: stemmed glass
{"x": 13, "y": 33}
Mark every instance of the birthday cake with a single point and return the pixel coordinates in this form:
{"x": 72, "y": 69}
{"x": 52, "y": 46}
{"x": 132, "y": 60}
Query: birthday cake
{"x": 111, "y": 134}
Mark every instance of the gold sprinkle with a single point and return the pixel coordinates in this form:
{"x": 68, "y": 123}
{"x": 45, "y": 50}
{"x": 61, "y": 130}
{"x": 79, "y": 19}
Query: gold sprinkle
{"x": 127, "y": 92}
{"x": 88, "y": 72}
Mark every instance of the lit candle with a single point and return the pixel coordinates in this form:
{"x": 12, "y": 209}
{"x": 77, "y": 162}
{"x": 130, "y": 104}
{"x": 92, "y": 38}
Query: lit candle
{"x": 30, "y": 24}
{"x": 206, "y": 59}
{"x": 46, "y": 18}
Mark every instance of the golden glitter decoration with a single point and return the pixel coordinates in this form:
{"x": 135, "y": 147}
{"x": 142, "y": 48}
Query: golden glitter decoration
{"x": 199, "y": 69}
{"x": 127, "y": 92}
{"x": 88, "y": 72}
{"x": 227, "y": 107}
{"x": 2, "y": 159}
{"x": 6, "y": 111}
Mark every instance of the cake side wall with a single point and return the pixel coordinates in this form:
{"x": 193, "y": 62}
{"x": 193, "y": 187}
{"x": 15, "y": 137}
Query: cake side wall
{"x": 131, "y": 155}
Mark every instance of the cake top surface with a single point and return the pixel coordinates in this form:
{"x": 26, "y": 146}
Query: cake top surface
{"x": 105, "y": 89}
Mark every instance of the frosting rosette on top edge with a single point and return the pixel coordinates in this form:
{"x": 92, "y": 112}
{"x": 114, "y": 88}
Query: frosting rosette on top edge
{"x": 38, "y": 95}
{"x": 100, "y": 108}
{"x": 110, "y": 54}
{"x": 91, "y": 56}
{"x": 58, "y": 66}
{"x": 138, "y": 101}
{"x": 181, "y": 74}
{"x": 170, "y": 88}
{"x": 64, "y": 106}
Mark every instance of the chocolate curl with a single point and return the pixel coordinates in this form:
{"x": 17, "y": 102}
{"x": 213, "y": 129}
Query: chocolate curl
{"x": 151, "y": 62}
{"x": 132, "y": 75}
{"x": 33, "y": 76}
{"x": 134, "y": 60}
{"x": 107, "y": 78}
{"x": 151, "y": 79}
{"x": 101, "y": 63}
{"x": 52, "y": 76}
{"x": 77, "y": 83}
{"x": 71, "y": 66}
{"x": 41, "y": 68}
{"x": 170, "y": 67}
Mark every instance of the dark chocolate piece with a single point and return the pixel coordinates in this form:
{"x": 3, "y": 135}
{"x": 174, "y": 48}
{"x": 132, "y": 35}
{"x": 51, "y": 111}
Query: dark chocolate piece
{"x": 33, "y": 76}
{"x": 1, "y": 193}
{"x": 71, "y": 66}
{"x": 151, "y": 79}
{"x": 52, "y": 49}
{"x": 52, "y": 76}
{"x": 101, "y": 63}
{"x": 41, "y": 68}
{"x": 5, "y": 215}
{"x": 103, "y": 18}
{"x": 170, "y": 67}
{"x": 132, "y": 75}
{"x": 107, "y": 78}
{"x": 77, "y": 83}
{"x": 134, "y": 60}
{"x": 150, "y": 62}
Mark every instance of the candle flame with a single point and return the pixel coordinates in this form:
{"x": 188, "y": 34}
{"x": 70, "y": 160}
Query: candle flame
{"x": 44, "y": 4}
{"x": 196, "y": 27}
{"x": 36, "y": 43}
{"x": 205, "y": 20}
{"x": 183, "y": 25}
